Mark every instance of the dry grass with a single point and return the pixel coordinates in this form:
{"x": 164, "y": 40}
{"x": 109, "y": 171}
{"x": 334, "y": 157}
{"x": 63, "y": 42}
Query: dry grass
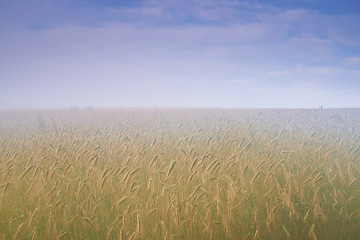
{"x": 180, "y": 174}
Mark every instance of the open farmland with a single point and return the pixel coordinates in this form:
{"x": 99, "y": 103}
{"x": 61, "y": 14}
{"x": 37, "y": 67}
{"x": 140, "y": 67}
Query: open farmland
{"x": 180, "y": 174}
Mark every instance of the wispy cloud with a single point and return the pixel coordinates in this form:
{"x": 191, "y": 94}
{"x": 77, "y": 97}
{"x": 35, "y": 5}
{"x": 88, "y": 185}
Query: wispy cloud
{"x": 165, "y": 46}
{"x": 352, "y": 61}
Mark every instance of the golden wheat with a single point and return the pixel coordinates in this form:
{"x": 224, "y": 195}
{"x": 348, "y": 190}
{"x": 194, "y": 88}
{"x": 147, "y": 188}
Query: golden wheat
{"x": 180, "y": 174}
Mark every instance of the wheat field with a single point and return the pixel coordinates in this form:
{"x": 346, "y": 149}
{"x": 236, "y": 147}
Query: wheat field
{"x": 157, "y": 173}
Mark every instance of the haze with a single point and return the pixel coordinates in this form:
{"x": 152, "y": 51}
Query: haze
{"x": 189, "y": 53}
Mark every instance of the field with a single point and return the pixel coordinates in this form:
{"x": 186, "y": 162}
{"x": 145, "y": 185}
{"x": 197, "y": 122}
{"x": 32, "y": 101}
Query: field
{"x": 180, "y": 174}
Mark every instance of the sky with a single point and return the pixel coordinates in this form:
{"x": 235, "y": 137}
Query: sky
{"x": 180, "y": 53}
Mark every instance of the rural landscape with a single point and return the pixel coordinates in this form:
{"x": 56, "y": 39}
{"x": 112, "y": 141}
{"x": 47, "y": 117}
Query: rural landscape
{"x": 157, "y": 173}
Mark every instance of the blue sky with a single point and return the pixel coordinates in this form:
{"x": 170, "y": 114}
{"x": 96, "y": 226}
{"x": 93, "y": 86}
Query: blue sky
{"x": 189, "y": 53}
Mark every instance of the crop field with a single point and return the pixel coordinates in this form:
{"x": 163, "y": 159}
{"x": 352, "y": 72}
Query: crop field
{"x": 157, "y": 173}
